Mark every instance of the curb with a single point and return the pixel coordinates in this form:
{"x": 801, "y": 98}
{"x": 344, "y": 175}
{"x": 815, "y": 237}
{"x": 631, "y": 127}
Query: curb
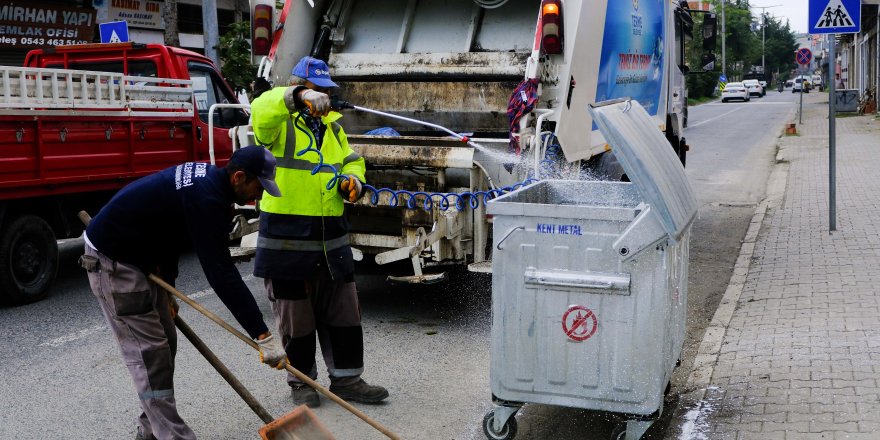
{"x": 699, "y": 380}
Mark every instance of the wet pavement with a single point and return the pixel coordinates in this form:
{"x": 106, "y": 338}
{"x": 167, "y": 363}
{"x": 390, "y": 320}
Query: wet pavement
{"x": 792, "y": 350}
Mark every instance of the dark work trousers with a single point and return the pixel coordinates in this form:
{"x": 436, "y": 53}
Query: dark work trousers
{"x": 138, "y": 315}
{"x": 329, "y": 308}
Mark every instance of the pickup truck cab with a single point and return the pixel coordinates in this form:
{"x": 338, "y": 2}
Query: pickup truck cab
{"x": 79, "y": 122}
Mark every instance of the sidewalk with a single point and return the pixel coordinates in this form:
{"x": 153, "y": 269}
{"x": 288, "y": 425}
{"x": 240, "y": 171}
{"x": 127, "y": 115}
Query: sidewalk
{"x": 793, "y": 351}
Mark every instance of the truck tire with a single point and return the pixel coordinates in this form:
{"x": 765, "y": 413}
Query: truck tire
{"x": 28, "y": 260}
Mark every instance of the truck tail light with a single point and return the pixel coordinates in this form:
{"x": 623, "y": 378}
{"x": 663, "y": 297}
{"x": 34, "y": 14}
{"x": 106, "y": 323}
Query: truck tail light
{"x": 262, "y": 37}
{"x": 551, "y": 27}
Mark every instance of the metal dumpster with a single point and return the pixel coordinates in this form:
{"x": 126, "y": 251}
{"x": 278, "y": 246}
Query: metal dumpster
{"x": 589, "y": 284}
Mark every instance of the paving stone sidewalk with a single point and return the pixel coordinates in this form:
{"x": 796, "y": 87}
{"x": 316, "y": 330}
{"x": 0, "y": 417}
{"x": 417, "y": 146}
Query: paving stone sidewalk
{"x": 800, "y": 357}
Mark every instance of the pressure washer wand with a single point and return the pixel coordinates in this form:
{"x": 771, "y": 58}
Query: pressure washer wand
{"x": 337, "y": 103}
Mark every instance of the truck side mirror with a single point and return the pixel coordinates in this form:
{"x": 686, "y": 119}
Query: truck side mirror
{"x": 708, "y": 62}
{"x": 710, "y": 32}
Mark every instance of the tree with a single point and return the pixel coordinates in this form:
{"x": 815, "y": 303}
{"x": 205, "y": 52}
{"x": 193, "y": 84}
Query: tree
{"x": 779, "y": 47}
{"x": 169, "y": 16}
{"x": 743, "y": 45}
{"x": 234, "y": 51}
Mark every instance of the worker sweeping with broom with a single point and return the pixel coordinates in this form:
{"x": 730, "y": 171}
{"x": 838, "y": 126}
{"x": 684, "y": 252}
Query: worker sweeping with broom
{"x": 142, "y": 230}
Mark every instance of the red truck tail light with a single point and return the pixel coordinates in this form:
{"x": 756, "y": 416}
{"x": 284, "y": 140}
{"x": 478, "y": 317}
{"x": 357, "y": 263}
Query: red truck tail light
{"x": 262, "y": 37}
{"x": 551, "y": 27}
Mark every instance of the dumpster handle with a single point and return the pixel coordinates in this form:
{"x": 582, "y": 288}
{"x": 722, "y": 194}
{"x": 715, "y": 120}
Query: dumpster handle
{"x": 508, "y": 235}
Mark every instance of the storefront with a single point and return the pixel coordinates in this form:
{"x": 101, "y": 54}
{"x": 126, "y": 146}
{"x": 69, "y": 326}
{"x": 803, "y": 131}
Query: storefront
{"x": 26, "y": 25}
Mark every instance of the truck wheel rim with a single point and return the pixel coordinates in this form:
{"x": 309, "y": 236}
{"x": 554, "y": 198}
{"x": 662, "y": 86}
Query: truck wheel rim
{"x": 28, "y": 261}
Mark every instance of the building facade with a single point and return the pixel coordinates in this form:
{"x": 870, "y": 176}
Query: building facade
{"x": 858, "y": 59}
{"x": 26, "y": 25}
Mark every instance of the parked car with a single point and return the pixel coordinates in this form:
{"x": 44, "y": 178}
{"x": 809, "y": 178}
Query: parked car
{"x": 754, "y": 87}
{"x": 735, "y": 90}
{"x": 816, "y": 81}
{"x": 801, "y": 84}
{"x": 788, "y": 83}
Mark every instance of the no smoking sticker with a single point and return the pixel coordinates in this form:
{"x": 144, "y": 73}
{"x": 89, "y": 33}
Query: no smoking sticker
{"x": 579, "y": 323}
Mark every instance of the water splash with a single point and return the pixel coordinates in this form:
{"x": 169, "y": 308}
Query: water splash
{"x": 696, "y": 423}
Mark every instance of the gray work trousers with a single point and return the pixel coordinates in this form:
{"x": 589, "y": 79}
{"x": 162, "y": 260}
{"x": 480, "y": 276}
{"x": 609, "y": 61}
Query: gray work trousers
{"x": 138, "y": 314}
{"x": 329, "y": 309}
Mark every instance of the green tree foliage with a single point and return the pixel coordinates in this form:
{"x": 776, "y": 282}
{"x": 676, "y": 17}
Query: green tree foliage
{"x": 743, "y": 47}
{"x": 234, "y": 51}
{"x": 779, "y": 47}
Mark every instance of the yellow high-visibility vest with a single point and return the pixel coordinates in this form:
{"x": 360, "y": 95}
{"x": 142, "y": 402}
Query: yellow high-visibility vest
{"x": 302, "y": 193}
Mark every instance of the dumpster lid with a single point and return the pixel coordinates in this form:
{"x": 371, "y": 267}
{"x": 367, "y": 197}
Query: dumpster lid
{"x": 649, "y": 162}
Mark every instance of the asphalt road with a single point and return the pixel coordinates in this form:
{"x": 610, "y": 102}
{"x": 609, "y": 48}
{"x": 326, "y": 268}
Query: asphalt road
{"x": 429, "y": 345}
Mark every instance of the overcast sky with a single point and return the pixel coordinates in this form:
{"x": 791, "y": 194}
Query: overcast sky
{"x": 794, "y": 10}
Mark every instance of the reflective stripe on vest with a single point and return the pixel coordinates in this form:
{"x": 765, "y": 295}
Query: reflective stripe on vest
{"x": 308, "y": 193}
{"x": 291, "y": 161}
{"x": 302, "y": 245}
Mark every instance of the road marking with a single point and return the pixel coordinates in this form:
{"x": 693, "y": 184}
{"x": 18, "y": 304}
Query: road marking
{"x": 57, "y": 342}
{"x": 80, "y": 334}
{"x": 716, "y": 117}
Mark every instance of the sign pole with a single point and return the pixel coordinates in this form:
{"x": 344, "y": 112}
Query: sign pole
{"x": 832, "y": 137}
{"x": 803, "y": 86}
{"x": 845, "y": 18}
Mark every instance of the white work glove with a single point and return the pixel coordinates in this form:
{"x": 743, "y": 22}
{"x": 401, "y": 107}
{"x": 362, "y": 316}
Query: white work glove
{"x": 351, "y": 189}
{"x": 272, "y": 353}
{"x": 317, "y": 102}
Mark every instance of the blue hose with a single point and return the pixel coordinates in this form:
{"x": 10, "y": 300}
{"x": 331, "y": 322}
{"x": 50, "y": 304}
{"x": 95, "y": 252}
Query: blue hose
{"x": 472, "y": 199}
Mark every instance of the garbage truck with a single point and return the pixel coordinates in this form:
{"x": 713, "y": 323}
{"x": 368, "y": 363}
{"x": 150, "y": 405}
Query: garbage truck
{"x": 512, "y": 78}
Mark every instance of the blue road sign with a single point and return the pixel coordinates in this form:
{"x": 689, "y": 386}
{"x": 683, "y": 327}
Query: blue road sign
{"x": 114, "y": 32}
{"x": 804, "y": 56}
{"x": 835, "y": 16}
{"x": 722, "y": 78}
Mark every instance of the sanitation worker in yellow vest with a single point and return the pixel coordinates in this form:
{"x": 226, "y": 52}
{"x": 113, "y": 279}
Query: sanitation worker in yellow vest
{"x": 303, "y": 251}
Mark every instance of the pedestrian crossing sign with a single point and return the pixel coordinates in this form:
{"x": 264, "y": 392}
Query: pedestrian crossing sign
{"x": 835, "y": 16}
{"x": 114, "y": 32}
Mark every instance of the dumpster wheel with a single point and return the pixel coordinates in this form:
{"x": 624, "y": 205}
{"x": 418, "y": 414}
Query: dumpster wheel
{"x": 507, "y": 432}
{"x": 619, "y": 432}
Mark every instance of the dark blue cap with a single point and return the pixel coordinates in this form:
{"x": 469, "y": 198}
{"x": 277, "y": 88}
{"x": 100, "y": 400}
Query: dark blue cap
{"x": 315, "y": 71}
{"x": 258, "y": 161}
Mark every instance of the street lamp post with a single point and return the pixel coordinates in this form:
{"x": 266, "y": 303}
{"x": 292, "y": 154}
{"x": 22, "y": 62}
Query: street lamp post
{"x": 763, "y": 26}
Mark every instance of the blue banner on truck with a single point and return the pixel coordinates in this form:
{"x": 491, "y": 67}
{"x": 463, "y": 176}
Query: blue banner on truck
{"x": 632, "y": 53}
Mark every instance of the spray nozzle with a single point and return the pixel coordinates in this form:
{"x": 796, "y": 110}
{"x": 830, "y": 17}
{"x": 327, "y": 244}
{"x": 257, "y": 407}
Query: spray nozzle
{"x": 338, "y": 104}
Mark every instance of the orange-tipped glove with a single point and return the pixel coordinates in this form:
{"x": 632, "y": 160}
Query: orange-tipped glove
{"x": 271, "y": 352}
{"x": 351, "y": 188}
{"x": 317, "y": 102}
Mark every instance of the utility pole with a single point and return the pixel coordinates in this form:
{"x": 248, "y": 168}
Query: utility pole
{"x": 763, "y": 26}
{"x": 723, "y": 38}
{"x": 210, "y": 29}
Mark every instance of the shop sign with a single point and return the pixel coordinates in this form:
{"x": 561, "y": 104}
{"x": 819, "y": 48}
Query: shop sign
{"x": 138, "y": 13}
{"x": 25, "y": 26}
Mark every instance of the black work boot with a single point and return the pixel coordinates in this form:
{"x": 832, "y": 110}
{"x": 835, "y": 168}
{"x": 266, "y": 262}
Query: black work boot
{"x": 360, "y": 391}
{"x": 304, "y": 395}
{"x": 140, "y": 436}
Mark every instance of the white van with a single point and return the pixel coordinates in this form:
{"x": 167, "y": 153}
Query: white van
{"x": 817, "y": 82}
{"x": 801, "y": 84}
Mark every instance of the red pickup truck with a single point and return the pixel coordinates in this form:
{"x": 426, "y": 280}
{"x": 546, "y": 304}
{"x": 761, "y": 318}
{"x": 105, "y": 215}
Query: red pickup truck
{"x": 79, "y": 122}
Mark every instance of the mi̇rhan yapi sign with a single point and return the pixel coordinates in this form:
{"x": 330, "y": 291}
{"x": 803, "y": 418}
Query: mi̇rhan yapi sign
{"x": 23, "y": 25}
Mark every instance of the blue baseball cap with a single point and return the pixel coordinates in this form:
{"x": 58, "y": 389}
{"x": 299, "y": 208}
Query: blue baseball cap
{"x": 315, "y": 71}
{"x": 259, "y": 162}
